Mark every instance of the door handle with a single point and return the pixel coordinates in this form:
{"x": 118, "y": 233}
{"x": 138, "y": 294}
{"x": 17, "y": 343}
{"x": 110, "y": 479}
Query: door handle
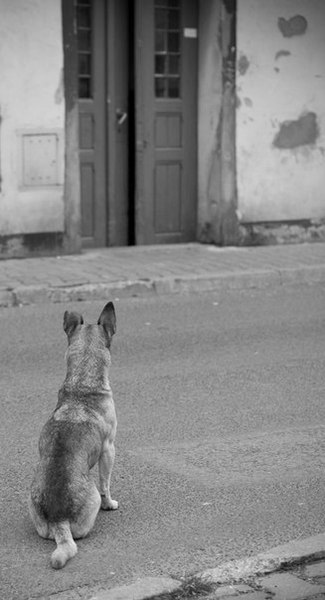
{"x": 121, "y": 116}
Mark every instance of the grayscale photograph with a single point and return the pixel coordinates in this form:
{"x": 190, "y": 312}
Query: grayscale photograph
{"x": 162, "y": 299}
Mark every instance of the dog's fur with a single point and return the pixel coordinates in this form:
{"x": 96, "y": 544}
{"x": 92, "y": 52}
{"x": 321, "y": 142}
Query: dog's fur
{"x": 64, "y": 500}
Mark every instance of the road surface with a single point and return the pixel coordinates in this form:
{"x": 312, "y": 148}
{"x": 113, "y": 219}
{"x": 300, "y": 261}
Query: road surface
{"x": 221, "y": 435}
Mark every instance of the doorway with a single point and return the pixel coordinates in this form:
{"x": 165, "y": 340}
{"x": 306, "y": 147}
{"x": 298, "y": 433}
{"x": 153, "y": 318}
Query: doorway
{"x": 137, "y": 87}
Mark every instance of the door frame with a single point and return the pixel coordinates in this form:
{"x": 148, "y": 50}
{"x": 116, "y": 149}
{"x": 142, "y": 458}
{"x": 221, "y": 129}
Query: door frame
{"x": 140, "y": 131}
{"x": 94, "y": 153}
{"x": 117, "y": 51}
{"x": 72, "y": 207}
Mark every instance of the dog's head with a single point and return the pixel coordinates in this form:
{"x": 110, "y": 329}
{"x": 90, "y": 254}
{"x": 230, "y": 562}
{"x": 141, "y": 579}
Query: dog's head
{"x": 73, "y": 321}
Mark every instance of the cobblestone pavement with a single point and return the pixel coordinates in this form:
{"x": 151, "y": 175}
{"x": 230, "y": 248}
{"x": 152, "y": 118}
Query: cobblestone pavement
{"x": 306, "y": 582}
{"x": 140, "y": 270}
{"x": 300, "y": 583}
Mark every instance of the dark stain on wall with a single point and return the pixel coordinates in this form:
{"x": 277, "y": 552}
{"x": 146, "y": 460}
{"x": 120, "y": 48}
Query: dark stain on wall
{"x": 243, "y": 64}
{"x": 285, "y": 232}
{"x": 301, "y": 132}
{"x": 31, "y": 244}
{"x": 230, "y": 6}
{"x": 282, "y": 53}
{"x": 297, "y": 25}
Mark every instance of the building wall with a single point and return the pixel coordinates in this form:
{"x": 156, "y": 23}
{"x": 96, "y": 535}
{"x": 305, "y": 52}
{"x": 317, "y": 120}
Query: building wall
{"x": 217, "y": 202}
{"x": 280, "y": 117}
{"x": 32, "y": 117}
{"x": 280, "y": 110}
{"x": 209, "y": 116}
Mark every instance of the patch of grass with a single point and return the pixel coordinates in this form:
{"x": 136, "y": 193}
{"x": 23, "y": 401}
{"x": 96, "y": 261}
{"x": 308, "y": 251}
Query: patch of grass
{"x": 192, "y": 587}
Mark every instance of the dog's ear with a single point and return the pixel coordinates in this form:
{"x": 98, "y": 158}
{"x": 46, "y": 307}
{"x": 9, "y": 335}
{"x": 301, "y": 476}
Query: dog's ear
{"x": 107, "y": 320}
{"x": 71, "y": 320}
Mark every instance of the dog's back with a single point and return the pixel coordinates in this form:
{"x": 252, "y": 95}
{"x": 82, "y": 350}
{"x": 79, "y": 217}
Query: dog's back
{"x": 64, "y": 499}
{"x": 64, "y": 450}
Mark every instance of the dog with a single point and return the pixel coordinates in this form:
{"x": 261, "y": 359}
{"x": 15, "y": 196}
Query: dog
{"x": 64, "y": 500}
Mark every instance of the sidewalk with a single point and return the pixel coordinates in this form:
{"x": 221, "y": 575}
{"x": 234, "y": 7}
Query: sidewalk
{"x": 142, "y": 270}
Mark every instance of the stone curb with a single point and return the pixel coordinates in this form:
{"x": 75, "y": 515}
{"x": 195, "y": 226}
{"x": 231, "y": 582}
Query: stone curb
{"x": 140, "y": 590}
{"x": 236, "y": 280}
{"x": 290, "y": 554}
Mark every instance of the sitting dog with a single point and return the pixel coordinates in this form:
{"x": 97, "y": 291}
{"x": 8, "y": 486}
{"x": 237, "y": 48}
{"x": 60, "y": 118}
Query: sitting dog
{"x": 64, "y": 499}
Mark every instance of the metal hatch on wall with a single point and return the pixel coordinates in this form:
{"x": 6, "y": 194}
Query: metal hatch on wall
{"x": 137, "y": 87}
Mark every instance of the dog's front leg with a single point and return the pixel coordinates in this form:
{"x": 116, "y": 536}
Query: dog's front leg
{"x": 105, "y": 463}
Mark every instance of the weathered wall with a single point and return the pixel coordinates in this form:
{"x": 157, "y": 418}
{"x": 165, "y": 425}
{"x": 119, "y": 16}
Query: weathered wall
{"x": 217, "y": 201}
{"x": 281, "y": 110}
{"x": 209, "y": 115}
{"x": 32, "y": 117}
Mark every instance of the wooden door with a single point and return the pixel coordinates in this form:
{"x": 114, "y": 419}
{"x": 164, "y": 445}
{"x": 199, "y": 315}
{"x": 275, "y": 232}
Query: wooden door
{"x": 102, "y": 34}
{"x": 166, "y": 120}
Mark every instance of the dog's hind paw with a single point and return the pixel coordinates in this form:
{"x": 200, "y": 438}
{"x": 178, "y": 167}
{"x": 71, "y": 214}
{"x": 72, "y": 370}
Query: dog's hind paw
{"x": 109, "y": 504}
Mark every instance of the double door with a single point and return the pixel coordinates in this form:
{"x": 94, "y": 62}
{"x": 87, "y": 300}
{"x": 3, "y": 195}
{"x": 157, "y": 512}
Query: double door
{"x": 137, "y": 86}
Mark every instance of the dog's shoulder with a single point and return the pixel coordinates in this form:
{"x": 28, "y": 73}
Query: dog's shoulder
{"x": 95, "y": 409}
{"x": 68, "y": 426}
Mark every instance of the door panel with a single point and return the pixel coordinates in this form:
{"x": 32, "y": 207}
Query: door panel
{"x": 119, "y": 119}
{"x": 91, "y": 17}
{"x": 166, "y": 122}
{"x": 103, "y": 54}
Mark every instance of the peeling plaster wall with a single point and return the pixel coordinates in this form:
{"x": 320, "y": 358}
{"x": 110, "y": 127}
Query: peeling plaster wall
{"x": 209, "y": 115}
{"x": 281, "y": 110}
{"x": 32, "y": 117}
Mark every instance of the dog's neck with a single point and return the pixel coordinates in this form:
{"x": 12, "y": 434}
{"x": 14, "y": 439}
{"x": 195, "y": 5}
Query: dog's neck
{"x": 87, "y": 373}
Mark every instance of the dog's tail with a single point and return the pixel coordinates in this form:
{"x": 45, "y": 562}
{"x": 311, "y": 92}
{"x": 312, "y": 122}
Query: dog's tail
{"x": 66, "y": 546}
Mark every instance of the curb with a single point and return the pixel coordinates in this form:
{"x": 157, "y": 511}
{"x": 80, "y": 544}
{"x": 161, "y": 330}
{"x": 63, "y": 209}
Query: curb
{"x": 140, "y": 590}
{"x": 236, "y": 280}
{"x": 286, "y": 555}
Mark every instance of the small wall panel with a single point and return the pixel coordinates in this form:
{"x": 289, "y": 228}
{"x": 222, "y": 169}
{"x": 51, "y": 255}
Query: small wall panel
{"x": 40, "y": 159}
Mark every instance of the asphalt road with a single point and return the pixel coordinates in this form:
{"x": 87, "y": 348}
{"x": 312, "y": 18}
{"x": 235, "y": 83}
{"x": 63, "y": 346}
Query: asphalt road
{"x": 221, "y": 435}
